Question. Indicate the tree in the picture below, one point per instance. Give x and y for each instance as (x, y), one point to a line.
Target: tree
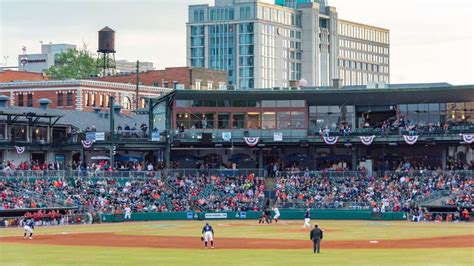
(73, 64)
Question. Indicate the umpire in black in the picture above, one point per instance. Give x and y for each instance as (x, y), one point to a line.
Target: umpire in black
(316, 236)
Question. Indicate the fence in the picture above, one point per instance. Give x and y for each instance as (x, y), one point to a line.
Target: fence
(469, 174)
(81, 218)
(171, 172)
(252, 215)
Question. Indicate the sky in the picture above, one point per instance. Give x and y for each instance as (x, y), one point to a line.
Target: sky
(430, 40)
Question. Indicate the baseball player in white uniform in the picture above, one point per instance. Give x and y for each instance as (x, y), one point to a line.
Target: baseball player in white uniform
(277, 213)
(208, 235)
(307, 218)
(128, 213)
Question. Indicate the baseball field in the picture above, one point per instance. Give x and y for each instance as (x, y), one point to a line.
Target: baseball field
(242, 243)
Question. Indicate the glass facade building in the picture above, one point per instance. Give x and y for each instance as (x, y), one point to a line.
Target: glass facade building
(265, 44)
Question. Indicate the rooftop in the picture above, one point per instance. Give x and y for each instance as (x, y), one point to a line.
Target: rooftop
(78, 119)
(351, 95)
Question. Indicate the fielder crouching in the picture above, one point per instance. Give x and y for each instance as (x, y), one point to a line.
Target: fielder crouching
(29, 226)
(208, 235)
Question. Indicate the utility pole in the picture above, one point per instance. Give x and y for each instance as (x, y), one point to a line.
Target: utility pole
(136, 92)
(112, 131)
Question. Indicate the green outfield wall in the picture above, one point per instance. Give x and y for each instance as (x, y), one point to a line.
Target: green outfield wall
(251, 215)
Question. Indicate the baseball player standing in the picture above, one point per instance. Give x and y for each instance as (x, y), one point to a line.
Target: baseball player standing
(29, 227)
(307, 218)
(208, 235)
(128, 213)
(277, 213)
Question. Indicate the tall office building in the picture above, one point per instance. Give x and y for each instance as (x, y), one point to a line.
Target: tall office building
(264, 43)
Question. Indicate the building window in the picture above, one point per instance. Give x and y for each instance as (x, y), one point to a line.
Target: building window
(20, 100)
(86, 99)
(60, 99)
(69, 99)
(92, 99)
(198, 85)
(30, 100)
(126, 103)
(223, 120)
(238, 120)
(268, 120)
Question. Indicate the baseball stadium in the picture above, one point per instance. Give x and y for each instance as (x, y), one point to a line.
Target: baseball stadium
(369, 176)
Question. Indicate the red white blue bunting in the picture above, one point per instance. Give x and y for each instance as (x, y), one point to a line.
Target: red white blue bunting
(87, 143)
(468, 138)
(410, 140)
(330, 140)
(251, 141)
(20, 150)
(367, 140)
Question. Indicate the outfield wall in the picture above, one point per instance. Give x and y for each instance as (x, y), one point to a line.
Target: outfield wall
(252, 215)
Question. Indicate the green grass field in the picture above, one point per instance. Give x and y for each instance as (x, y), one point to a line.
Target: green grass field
(36, 254)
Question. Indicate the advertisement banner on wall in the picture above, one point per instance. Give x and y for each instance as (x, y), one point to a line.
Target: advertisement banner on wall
(243, 215)
(190, 215)
(90, 136)
(226, 136)
(99, 136)
(278, 136)
(215, 215)
(155, 136)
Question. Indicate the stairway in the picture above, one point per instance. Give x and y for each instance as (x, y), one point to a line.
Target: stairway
(270, 189)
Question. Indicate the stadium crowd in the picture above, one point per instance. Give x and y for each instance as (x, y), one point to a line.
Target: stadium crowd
(221, 193)
(393, 192)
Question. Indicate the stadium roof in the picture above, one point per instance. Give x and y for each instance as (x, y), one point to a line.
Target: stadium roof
(394, 94)
(75, 118)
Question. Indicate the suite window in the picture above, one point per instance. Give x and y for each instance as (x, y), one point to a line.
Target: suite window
(223, 120)
(238, 120)
(182, 119)
(268, 120)
(253, 120)
(283, 120)
(297, 120)
(19, 132)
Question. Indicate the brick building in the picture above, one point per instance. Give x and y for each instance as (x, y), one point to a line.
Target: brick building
(83, 95)
(176, 77)
(12, 75)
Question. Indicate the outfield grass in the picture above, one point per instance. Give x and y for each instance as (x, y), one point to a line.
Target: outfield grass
(59, 255)
(20, 254)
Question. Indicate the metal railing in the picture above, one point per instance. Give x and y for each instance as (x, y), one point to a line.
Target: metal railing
(350, 205)
(329, 174)
(469, 174)
(257, 172)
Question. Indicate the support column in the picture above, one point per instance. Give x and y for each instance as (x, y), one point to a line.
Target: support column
(49, 135)
(260, 158)
(444, 156)
(169, 134)
(354, 157)
(28, 132)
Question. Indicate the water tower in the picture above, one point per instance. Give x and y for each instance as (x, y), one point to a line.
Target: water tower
(106, 57)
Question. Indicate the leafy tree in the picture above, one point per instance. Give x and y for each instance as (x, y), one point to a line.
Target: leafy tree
(73, 64)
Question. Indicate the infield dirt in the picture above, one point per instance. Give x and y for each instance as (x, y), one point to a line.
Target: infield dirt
(118, 240)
